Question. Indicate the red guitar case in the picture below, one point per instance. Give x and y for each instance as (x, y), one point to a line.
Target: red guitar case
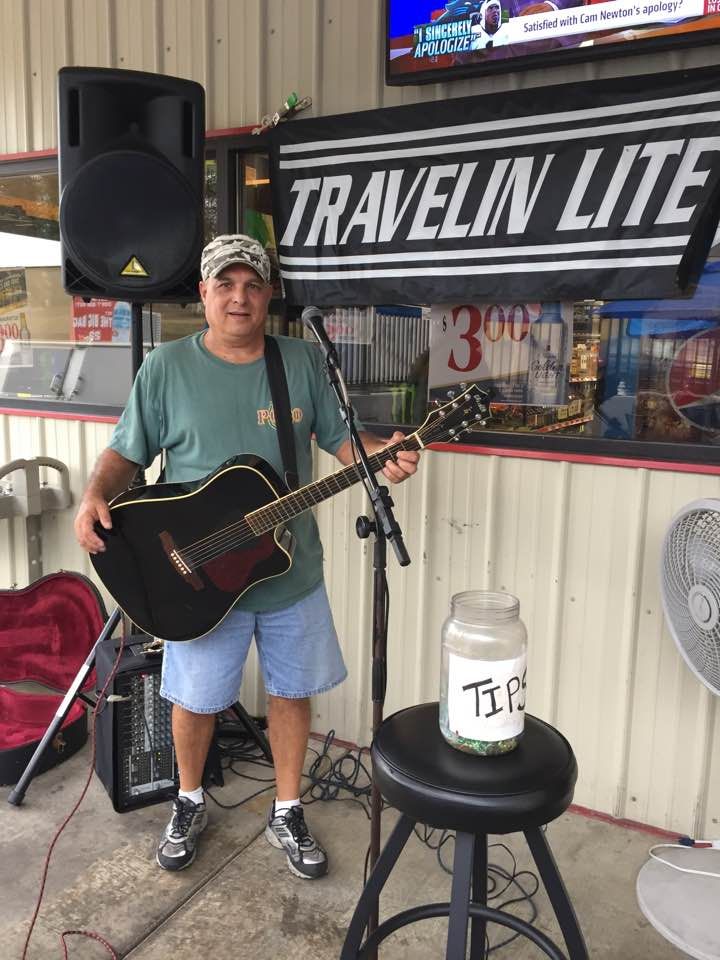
(46, 633)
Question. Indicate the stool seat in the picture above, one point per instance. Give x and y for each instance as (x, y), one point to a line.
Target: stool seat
(422, 775)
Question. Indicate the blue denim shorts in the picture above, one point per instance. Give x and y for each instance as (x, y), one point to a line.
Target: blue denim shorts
(297, 647)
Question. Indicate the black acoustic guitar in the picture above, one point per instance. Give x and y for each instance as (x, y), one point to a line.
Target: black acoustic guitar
(179, 555)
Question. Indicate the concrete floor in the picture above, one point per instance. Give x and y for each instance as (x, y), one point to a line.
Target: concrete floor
(239, 900)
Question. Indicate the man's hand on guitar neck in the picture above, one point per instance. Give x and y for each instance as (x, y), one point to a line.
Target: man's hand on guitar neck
(112, 475)
(397, 468)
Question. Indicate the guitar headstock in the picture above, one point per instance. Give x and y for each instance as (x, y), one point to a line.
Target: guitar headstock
(463, 412)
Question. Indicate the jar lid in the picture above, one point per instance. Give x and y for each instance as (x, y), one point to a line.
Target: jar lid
(484, 606)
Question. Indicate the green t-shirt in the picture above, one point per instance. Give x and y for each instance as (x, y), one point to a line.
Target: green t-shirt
(202, 410)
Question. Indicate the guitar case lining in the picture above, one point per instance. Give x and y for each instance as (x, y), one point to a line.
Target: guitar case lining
(46, 631)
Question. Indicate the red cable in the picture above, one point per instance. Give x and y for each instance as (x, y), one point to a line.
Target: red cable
(84, 933)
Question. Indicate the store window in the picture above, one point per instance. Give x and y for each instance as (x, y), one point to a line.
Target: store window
(250, 212)
(58, 351)
(632, 370)
(638, 378)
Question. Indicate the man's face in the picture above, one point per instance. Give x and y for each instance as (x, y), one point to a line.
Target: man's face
(236, 304)
(492, 18)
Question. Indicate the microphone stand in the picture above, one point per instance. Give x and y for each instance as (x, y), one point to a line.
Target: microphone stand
(384, 527)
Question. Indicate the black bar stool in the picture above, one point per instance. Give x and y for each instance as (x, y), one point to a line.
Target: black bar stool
(430, 782)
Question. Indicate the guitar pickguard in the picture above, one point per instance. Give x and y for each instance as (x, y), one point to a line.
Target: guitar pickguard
(232, 571)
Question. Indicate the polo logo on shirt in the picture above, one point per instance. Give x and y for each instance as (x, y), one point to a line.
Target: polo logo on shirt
(267, 416)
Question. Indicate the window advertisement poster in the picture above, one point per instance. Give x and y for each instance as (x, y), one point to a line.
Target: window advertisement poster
(14, 313)
(520, 351)
(100, 321)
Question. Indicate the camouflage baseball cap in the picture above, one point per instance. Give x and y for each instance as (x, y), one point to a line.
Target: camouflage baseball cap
(233, 248)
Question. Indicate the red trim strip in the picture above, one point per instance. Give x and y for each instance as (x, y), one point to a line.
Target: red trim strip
(606, 461)
(57, 415)
(230, 132)
(626, 824)
(29, 155)
(209, 135)
(712, 469)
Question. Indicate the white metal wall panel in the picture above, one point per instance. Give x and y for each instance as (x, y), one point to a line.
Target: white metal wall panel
(671, 719)
(135, 33)
(236, 89)
(292, 60)
(14, 76)
(578, 544)
(48, 36)
(249, 55)
(90, 33)
(184, 39)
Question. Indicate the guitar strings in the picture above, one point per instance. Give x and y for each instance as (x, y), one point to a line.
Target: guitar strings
(230, 537)
(226, 538)
(236, 534)
(297, 495)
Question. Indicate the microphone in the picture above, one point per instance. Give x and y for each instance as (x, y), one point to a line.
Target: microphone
(312, 318)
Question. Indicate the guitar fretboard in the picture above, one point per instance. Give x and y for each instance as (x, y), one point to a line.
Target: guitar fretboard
(289, 506)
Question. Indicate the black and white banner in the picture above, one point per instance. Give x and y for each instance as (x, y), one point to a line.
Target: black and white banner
(604, 190)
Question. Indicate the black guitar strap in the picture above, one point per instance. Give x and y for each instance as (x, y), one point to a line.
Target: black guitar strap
(281, 406)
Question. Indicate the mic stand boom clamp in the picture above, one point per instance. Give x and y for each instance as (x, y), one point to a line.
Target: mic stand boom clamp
(385, 527)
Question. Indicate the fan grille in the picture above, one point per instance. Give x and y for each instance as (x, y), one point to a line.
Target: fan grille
(691, 588)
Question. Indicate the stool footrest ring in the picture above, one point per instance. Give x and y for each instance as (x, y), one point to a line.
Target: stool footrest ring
(429, 911)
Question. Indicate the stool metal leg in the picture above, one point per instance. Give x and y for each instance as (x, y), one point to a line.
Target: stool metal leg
(376, 881)
(542, 854)
(460, 896)
(428, 910)
(479, 895)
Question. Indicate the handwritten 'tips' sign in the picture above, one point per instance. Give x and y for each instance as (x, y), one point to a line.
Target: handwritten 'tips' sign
(486, 698)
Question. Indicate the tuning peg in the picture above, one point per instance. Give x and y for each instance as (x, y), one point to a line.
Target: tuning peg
(452, 432)
(451, 394)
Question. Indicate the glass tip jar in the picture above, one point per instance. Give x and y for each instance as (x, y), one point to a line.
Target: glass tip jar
(483, 673)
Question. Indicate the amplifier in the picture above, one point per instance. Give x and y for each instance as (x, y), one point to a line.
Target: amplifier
(134, 754)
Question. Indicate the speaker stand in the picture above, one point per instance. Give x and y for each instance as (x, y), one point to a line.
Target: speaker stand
(252, 729)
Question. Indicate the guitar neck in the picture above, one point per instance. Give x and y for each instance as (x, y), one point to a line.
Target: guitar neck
(289, 506)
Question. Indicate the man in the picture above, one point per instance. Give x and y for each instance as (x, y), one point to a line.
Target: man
(203, 399)
(487, 28)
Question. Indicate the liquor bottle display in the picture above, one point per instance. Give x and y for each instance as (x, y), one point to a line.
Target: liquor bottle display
(547, 374)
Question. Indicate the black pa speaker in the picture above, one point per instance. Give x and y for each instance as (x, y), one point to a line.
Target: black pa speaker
(131, 157)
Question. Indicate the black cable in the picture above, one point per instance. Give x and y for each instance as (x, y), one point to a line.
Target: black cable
(329, 777)
(233, 806)
(235, 745)
(350, 774)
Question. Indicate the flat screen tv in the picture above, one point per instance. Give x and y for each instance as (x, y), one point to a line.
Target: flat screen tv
(432, 40)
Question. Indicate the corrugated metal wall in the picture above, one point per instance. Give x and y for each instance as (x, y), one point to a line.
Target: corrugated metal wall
(579, 544)
(248, 54)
